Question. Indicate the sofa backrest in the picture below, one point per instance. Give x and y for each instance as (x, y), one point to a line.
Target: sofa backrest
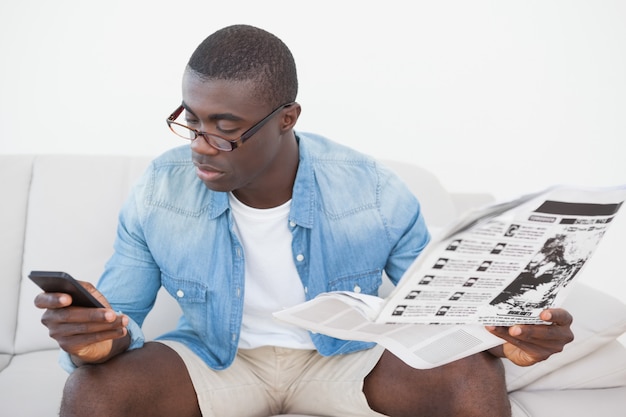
(15, 176)
(59, 212)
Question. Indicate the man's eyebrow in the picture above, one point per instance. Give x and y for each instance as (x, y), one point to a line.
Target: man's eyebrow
(216, 116)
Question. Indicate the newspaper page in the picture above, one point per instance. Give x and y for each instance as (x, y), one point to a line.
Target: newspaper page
(349, 316)
(506, 268)
(500, 265)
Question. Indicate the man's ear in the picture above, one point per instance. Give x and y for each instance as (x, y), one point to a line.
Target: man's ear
(290, 116)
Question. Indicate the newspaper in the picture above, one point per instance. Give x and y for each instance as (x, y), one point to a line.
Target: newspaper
(499, 265)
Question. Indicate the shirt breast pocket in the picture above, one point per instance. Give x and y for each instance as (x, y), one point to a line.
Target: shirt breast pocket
(192, 297)
(185, 291)
(365, 282)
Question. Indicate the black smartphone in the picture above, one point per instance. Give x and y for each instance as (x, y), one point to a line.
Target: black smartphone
(57, 281)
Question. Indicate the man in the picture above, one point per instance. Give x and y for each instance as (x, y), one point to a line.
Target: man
(256, 218)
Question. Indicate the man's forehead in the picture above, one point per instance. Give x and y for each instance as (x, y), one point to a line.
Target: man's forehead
(222, 96)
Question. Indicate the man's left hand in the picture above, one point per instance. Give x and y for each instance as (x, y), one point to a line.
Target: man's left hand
(531, 343)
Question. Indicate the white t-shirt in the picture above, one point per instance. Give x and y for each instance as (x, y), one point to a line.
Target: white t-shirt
(271, 279)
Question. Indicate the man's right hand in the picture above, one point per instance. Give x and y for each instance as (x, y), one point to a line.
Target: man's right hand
(89, 335)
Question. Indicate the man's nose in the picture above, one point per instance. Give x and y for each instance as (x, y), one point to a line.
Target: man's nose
(201, 145)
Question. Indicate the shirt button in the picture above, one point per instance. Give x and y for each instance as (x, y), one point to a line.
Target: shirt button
(306, 290)
(180, 293)
(292, 223)
(300, 257)
(357, 288)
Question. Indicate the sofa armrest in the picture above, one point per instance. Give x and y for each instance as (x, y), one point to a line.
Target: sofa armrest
(599, 319)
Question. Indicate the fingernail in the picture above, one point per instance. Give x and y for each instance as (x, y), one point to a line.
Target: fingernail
(515, 331)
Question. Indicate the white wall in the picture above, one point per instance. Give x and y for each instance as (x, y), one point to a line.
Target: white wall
(505, 96)
(498, 95)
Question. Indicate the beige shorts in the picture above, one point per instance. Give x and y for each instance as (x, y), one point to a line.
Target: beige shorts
(272, 380)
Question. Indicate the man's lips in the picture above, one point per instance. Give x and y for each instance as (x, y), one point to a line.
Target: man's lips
(207, 172)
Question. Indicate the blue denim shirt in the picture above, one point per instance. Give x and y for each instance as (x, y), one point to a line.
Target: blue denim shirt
(350, 219)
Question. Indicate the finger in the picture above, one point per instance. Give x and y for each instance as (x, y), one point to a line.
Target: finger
(558, 331)
(93, 291)
(510, 334)
(85, 330)
(52, 300)
(557, 316)
(73, 342)
(541, 331)
(80, 315)
(536, 334)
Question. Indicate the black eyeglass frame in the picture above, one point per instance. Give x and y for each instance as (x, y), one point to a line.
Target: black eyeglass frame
(210, 138)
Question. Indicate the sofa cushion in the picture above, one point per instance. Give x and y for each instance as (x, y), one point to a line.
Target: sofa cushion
(607, 402)
(31, 385)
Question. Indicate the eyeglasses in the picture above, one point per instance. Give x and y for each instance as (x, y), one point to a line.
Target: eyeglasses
(216, 141)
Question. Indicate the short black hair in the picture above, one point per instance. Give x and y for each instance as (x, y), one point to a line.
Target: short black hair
(247, 53)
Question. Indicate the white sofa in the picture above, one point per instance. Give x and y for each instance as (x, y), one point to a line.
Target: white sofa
(60, 213)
